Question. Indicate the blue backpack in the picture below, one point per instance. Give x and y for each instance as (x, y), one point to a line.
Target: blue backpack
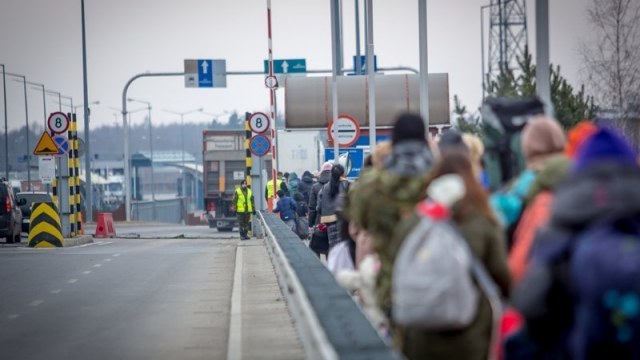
(605, 274)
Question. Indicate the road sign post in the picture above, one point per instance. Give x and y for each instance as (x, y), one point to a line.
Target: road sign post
(287, 66)
(259, 123)
(58, 123)
(345, 131)
(205, 73)
(260, 145)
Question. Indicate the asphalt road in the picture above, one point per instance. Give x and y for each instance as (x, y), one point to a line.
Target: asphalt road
(118, 299)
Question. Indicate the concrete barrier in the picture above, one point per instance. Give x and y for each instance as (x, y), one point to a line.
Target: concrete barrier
(329, 322)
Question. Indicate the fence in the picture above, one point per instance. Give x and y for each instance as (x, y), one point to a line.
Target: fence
(167, 211)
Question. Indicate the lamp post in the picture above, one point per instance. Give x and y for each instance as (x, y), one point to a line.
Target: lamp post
(484, 85)
(182, 114)
(87, 142)
(26, 117)
(6, 125)
(153, 183)
(44, 101)
(51, 92)
(97, 102)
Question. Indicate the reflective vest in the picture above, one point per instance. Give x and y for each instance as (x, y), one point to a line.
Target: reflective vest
(244, 203)
(270, 192)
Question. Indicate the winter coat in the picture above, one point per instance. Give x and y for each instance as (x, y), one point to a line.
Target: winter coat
(326, 204)
(292, 184)
(486, 241)
(543, 296)
(305, 185)
(324, 178)
(287, 208)
(536, 214)
(382, 198)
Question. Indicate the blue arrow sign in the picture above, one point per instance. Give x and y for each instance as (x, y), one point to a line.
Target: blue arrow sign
(287, 66)
(363, 64)
(205, 73)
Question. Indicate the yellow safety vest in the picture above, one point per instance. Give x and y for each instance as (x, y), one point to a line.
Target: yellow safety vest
(270, 192)
(244, 203)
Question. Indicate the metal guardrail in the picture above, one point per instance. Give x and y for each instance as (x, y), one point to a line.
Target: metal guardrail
(330, 324)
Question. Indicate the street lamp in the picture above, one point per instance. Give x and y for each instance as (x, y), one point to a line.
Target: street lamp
(182, 114)
(484, 85)
(26, 117)
(51, 92)
(97, 102)
(44, 101)
(153, 183)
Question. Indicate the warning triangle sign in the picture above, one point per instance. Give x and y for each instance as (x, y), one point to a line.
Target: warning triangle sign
(46, 146)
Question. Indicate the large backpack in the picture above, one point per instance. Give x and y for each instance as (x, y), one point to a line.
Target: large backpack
(503, 121)
(605, 273)
(433, 279)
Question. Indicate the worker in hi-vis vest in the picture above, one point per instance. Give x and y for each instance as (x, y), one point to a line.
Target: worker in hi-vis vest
(270, 193)
(244, 206)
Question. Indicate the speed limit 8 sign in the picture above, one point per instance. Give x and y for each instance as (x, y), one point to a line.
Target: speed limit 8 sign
(259, 122)
(58, 123)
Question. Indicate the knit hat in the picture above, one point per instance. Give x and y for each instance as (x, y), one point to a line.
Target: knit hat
(605, 146)
(327, 166)
(577, 136)
(408, 127)
(542, 136)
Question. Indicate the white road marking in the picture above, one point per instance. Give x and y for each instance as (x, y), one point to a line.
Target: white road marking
(116, 255)
(36, 302)
(87, 272)
(234, 345)
(13, 316)
(56, 291)
(102, 243)
(72, 281)
(97, 265)
(107, 259)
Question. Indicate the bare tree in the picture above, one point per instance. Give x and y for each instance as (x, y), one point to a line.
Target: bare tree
(612, 57)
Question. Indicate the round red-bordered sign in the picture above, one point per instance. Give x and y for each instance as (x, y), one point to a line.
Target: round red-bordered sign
(259, 122)
(348, 130)
(58, 122)
(260, 145)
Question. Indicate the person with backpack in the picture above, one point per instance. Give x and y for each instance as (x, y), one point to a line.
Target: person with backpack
(482, 234)
(581, 295)
(383, 197)
(328, 201)
(305, 185)
(302, 224)
(287, 209)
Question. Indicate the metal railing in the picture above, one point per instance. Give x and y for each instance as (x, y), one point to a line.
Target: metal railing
(166, 211)
(330, 324)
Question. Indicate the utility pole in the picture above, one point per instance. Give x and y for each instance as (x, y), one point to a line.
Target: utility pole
(424, 63)
(6, 125)
(87, 136)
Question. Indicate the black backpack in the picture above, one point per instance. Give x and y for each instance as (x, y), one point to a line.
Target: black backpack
(503, 120)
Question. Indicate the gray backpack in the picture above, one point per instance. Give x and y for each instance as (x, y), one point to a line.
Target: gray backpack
(433, 279)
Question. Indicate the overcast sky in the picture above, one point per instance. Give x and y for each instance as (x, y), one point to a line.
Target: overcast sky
(42, 40)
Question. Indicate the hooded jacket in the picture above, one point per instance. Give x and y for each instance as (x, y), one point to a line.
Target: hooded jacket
(324, 178)
(305, 185)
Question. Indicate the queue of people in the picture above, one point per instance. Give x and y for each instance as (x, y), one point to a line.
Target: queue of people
(545, 266)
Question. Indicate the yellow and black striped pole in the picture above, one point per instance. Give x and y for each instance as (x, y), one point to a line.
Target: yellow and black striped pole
(72, 178)
(76, 175)
(247, 130)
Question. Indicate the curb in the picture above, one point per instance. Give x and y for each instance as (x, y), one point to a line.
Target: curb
(78, 240)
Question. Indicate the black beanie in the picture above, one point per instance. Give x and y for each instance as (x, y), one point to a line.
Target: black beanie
(407, 127)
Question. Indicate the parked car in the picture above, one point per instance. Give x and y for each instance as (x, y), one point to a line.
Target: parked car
(26, 201)
(10, 214)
